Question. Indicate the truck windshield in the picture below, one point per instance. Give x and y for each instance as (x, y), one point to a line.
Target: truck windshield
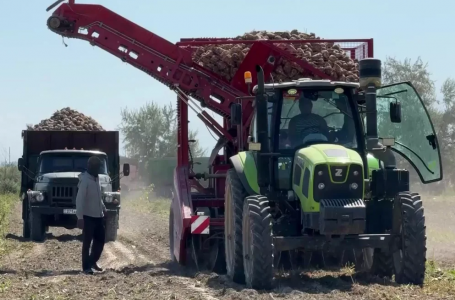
(68, 163)
(316, 115)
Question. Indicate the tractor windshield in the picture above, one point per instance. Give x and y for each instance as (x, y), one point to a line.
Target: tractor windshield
(316, 115)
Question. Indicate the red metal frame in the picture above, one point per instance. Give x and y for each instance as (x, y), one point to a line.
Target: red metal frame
(172, 65)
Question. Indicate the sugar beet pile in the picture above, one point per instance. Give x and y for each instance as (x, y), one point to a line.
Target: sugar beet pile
(67, 119)
(225, 59)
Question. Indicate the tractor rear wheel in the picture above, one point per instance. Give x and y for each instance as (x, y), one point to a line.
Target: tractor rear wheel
(258, 249)
(409, 261)
(234, 197)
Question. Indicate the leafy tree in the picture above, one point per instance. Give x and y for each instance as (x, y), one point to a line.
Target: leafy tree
(151, 132)
(150, 135)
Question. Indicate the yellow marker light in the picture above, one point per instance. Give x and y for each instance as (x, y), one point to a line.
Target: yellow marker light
(247, 77)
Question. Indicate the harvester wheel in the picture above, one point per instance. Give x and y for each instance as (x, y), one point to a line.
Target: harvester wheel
(234, 197)
(258, 250)
(171, 234)
(409, 261)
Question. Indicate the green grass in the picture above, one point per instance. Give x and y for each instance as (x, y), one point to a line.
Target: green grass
(146, 202)
(6, 204)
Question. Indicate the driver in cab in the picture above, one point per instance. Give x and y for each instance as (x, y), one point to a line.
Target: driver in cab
(307, 126)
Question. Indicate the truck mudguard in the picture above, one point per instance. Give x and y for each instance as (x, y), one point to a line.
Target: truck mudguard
(245, 165)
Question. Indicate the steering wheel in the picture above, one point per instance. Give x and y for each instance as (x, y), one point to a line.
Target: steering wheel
(317, 131)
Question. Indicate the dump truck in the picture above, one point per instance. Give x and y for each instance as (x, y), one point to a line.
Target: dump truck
(278, 188)
(50, 166)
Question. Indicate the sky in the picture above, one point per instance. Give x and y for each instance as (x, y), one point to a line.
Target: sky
(39, 75)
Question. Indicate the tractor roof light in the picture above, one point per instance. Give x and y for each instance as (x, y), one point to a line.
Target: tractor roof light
(247, 76)
(370, 73)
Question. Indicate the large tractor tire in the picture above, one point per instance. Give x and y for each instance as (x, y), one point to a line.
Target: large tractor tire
(234, 197)
(112, 221)
(410, 261)
(258, 249)
(382, 263)
(37, 227)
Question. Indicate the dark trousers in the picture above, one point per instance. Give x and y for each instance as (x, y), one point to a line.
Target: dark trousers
(93, 231)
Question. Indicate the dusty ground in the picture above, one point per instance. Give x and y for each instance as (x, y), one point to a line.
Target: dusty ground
(138, 266)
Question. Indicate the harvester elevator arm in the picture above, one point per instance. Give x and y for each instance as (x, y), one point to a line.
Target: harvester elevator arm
(161, 59)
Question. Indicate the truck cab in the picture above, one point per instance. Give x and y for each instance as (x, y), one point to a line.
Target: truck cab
(50, 184)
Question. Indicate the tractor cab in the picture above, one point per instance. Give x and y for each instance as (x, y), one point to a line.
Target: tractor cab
(313, 114)
(331, 122)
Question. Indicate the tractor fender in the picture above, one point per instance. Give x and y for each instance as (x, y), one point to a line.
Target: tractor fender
(244, 164)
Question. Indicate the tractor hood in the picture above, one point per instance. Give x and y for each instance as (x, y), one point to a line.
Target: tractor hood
(327, 154)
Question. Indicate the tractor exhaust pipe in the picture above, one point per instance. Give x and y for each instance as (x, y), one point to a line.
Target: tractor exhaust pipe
(262, 126)
(370, 80)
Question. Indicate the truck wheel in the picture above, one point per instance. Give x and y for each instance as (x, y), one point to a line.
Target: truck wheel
(234, 197)
(37, 228)
(409, 261)
(111, 227)
(258, 246)
(26, 226)
(26, 229)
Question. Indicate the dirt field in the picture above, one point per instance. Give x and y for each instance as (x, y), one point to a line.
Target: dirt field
(138, 266)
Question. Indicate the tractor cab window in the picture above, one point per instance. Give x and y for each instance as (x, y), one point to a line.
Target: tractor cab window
(316, 115)
(415, 137)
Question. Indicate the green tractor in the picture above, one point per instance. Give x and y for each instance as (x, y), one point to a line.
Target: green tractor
(320, 175)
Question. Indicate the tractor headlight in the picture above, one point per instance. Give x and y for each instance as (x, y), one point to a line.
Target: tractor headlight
(354, 186)
(321, 186)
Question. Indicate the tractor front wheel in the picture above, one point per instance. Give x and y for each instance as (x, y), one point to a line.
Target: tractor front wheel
(258, 249)
(234, 197)
(409, 261)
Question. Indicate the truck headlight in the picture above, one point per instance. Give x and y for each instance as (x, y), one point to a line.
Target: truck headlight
(35, 196)
(40, 197)
(112, 197)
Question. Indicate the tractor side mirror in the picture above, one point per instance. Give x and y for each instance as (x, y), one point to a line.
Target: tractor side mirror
(395, 112)
(236, 114)
(20, 164)
(126, 169)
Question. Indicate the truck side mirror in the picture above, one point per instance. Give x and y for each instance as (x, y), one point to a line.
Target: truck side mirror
(395, 112)
(20, 164)
(126, 169)
(236, 114)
